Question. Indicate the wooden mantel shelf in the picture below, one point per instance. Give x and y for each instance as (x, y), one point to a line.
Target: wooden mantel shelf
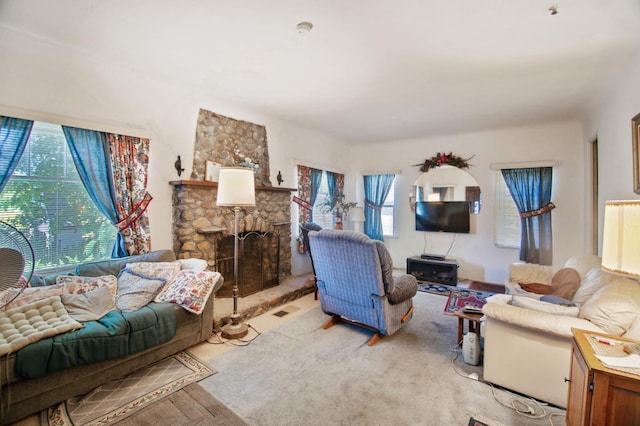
(215, 184)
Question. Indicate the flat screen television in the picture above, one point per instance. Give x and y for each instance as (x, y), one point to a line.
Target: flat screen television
(443, 216)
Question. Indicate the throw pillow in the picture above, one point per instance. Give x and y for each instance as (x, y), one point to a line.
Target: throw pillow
(550, 308)
(163, 270)
(89, 306)
(190, 289)
(193, 264)
(634, 329)
(29, 295)
(80, 285)
(34, 321)
(594, 280)
(565, 282)
(135, 290)
(614, 307)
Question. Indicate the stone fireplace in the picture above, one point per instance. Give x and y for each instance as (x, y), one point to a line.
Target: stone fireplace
(203, 230)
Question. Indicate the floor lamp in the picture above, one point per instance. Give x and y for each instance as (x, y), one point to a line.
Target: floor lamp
(236, 188)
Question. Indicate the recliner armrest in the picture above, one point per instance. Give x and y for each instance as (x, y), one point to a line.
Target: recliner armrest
(404, 287)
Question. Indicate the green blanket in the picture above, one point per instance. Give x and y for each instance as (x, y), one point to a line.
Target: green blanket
(115, 335)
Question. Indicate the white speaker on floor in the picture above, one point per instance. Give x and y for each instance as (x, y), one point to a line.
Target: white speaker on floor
(471, 349)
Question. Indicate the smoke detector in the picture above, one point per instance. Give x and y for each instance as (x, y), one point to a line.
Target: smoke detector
(304, 27)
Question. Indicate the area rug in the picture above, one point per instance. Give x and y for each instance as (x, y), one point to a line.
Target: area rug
(461, 298)
(120, 398)
(440, 289)
(301, 374)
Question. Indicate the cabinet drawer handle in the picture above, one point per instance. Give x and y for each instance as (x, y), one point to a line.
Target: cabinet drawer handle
(567, 380)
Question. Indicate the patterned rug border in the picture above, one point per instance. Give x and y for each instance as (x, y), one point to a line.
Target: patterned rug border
(58, 415)
(440, 289)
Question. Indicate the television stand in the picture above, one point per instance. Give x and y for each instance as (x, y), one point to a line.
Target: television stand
(432, 256)
(432, 270)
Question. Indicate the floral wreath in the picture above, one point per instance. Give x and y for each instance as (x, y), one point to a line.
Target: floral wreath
(441, 159)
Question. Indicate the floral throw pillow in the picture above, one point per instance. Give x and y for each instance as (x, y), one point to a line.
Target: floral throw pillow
(135, 290)
(190, 289)
(81, 285)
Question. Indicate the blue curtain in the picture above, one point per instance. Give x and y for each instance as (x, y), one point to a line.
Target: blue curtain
(376, 189)
(531, 191)
(90, 152)
(316, 178)
(333, 190)
(14, 134)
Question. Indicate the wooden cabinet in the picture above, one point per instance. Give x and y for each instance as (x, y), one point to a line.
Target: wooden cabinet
(599, 395)
(432, 270)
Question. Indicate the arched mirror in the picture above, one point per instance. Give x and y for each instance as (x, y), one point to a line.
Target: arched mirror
(448, 183)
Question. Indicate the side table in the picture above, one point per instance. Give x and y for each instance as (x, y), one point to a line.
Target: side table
(473, 321)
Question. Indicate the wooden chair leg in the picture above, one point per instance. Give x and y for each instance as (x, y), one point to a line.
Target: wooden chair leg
(375, 339)
(334, 320)
(407, 316)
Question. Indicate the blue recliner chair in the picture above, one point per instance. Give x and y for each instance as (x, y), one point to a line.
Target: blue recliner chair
(356, 284)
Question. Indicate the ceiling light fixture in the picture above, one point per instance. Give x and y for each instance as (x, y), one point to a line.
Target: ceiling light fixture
(304, 27)
(554, 9)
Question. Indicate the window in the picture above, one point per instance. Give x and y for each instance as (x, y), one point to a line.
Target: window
(506, 231)
(387, 213)
(321, 213)
(46, 200)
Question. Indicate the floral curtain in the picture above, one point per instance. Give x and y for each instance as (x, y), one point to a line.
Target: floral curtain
(308, 185)
(14, 134)
(531, 191)
(130, 163)
(113, 170)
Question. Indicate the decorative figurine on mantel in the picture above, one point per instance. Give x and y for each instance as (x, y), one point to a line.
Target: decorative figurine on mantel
(279, 178)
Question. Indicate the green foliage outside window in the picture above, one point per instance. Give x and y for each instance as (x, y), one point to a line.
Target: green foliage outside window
(46, 200)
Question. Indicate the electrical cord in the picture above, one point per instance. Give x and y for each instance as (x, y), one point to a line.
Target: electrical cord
(519, 406)
(217, 339)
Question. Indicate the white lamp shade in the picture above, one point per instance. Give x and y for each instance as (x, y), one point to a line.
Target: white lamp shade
(356, 214)
(621, 237)
(236, 187)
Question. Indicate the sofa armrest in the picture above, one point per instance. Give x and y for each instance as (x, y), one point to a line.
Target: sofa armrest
(535, 320)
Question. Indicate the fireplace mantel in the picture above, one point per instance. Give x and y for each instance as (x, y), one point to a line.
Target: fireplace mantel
(215, 185)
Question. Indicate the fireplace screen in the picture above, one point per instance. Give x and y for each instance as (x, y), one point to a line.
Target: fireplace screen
(258, 263)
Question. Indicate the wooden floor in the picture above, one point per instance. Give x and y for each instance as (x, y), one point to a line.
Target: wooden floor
(191, 406)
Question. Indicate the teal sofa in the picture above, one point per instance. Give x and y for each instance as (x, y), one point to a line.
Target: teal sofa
(21, 397)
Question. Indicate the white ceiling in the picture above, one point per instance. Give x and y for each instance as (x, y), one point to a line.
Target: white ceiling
(369, 70)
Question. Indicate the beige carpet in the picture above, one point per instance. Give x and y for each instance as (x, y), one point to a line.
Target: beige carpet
(120, 398)
(299, 373)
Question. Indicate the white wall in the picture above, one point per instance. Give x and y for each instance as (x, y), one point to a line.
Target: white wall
(476, 253)
(611, 123)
